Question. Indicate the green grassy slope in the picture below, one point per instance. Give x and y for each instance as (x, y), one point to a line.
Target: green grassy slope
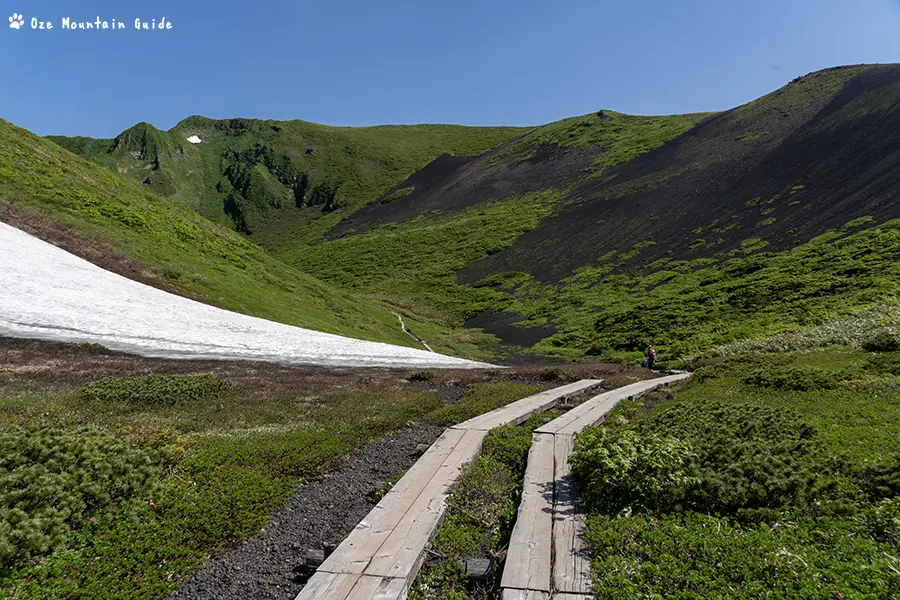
(619, 137)
(412, 264)
(47, 190)
(678, 247)
(595, 234)
(777, 215)
(769, 475)
(276, 180)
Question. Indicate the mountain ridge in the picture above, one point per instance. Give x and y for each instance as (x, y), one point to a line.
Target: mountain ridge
(555, 228)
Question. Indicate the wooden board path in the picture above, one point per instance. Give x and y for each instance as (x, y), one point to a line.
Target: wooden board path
(547, 558)
(530, 547)
(519, 411)
(382, 555)
(593, 411)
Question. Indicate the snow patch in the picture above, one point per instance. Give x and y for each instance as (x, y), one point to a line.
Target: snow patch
(194, 139)
(47, 293)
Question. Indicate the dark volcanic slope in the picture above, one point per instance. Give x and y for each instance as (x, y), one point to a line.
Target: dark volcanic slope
(452, 183)
(812, 156)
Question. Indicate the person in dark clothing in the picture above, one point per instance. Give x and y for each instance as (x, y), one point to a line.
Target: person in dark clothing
(651, 356)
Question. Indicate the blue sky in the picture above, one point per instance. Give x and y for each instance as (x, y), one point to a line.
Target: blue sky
(475, 62)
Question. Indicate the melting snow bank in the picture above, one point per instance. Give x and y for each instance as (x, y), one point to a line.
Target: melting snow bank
(47, 293)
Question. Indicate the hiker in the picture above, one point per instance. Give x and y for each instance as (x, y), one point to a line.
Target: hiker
(651, 356)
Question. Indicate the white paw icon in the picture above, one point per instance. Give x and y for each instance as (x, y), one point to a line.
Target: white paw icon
(16, 21)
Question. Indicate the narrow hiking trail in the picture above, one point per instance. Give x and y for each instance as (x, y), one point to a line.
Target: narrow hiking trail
(380, 558)
(48, 293)
(409, 332)
(382, 555)
(547, 557)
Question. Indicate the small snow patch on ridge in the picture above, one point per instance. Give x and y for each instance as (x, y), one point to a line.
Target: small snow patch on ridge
(194, 139)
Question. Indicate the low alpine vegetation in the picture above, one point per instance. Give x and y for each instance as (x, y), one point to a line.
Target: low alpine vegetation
(150, 391)
(783, 482)
(53, 481)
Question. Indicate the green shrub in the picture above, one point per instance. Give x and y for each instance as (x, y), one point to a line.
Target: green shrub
(151, 391)
(508, 445)
(618, 470)
(694, 556)
(882, 521)
(707, 372)
(747, 455)
(791, 378)
(883, 341)
(54, 481)
(482, 502)
(421, 376)
(888, 363)
(551, 374)
(880, 479)
(397, 194)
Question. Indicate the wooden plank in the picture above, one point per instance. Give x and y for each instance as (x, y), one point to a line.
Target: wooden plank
(355, 552)
(392, 589)
(528, 559)
(377, 588)
(597, 403)
(571, 563)
(520, 410)
(363, 590)
(594, 410)
(334, 586)
(403, 550)
(565, 495)
(512, 594)
(350, 586)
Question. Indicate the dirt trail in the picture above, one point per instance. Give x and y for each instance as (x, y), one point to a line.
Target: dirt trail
(317, 512)
(410, 333)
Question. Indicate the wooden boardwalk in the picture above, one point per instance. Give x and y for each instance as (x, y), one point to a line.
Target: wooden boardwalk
(520, 410)
(381, 556)
(547, 559)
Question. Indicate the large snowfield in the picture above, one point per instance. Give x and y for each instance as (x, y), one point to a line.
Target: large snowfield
(48, 293)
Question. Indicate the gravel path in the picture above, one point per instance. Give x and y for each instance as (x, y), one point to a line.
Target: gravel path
(316, 513)
(48, 293)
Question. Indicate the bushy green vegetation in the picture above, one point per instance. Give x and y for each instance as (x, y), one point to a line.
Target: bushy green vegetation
(397, 194)
(683, 307)
(882, 341)
(129, 505)
(482, 398)
(481, 511)
(622, 137)
(159, 391)
(622, 470)
(173, 244)
(750, 486)
(865, 328)
(53, 481)
(699, 556)
(791, 378)
(413, 265)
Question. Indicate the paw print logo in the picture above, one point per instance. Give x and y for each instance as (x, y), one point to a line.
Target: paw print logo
(16, 21)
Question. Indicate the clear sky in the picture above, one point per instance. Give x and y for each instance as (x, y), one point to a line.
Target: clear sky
(475, 62)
